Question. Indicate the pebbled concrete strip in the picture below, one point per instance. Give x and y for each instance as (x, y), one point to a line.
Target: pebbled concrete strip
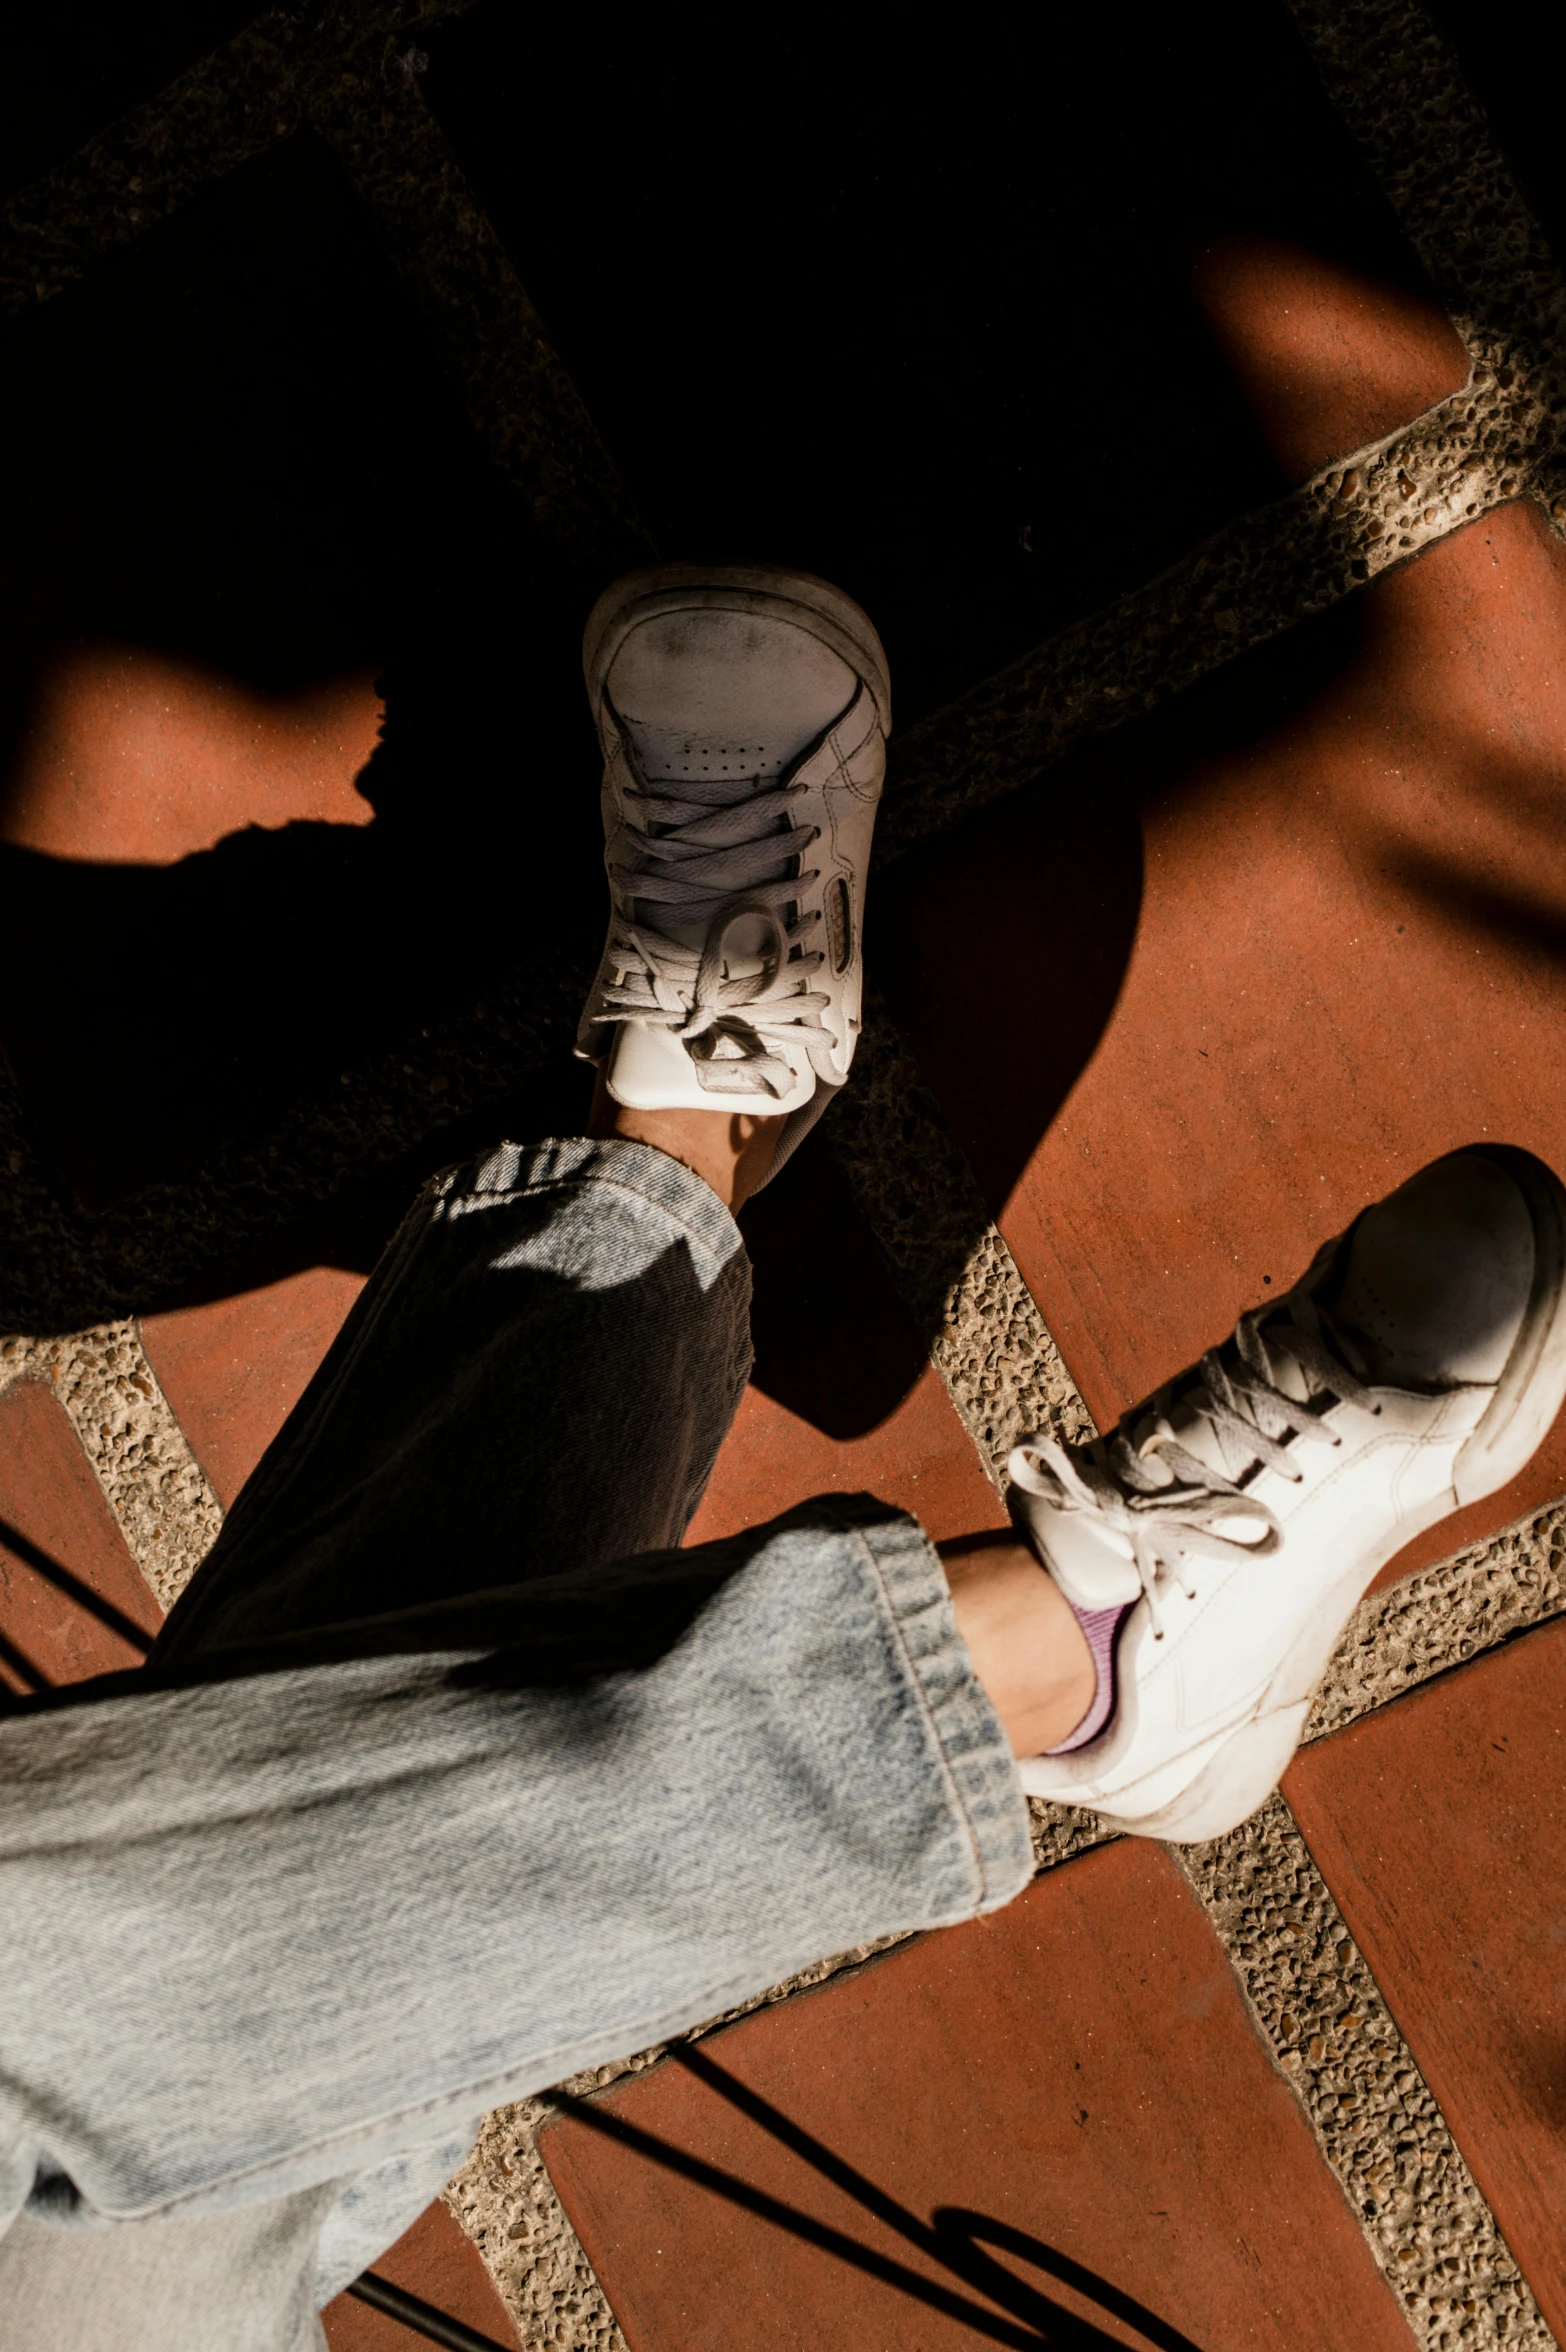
(1494, 440)
(505, 2200)
(1444, 1616)
(952, 1269)
(1428, 141)
(1321, 2015)
(166, 1511)
(156, 1488)
(249, 92)
(352, 73)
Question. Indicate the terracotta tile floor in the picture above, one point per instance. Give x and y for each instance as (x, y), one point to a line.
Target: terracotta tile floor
(843, 1398)
(1313, 918)
(1440, 1826)
(233, 1368)
(434, 2260)
(283, 666)
(1064, 2106)
(72, 1602)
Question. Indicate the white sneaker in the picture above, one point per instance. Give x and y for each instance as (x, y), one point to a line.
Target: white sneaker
(1244, 1510)
(743, 711)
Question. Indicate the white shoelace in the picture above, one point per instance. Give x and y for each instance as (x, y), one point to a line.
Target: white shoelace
(705, 856)
(1160, 1499)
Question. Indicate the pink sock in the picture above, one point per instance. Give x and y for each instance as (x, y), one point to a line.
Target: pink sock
(1101, 1627)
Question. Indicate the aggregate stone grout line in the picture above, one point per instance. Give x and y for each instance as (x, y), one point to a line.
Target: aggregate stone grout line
(1313, 1998)
(954, 1272)
(1439, 1619)
(1075, 687)
(227, 108)
(523, 406)
(1258, 576)
(154, 1486)
(1427, 139)
(157, 1490)
(1320, 2011)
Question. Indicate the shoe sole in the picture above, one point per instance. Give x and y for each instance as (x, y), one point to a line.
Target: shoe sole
(1528, 1397)
(813, 605)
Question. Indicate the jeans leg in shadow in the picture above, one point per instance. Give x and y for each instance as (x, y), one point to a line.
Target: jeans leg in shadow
(534, 1383)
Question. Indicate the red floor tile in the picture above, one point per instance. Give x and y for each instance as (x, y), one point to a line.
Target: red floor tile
(234, 1368)
(235, 1349)
(72, 1601)
(1440, 1826)
(437, 2261)
(843, 1399)
(1266, 955)
(1074, 2083)
(1328, 357)
(132, 757)
(920, 1457)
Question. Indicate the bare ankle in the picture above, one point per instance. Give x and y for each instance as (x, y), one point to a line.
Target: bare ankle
(730, 1150)
(1027, 1647)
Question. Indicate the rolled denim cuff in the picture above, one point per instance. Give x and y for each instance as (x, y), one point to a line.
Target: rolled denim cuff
(966, 1735)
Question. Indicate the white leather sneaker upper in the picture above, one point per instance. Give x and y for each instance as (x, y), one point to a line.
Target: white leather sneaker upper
(743, 713)
(1245, 1509)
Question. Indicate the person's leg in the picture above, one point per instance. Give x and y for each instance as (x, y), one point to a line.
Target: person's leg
(537, 1377)
(534, 1802)
(534, 1384)
(394, 1891)
(526, 1383)
(540, 1372)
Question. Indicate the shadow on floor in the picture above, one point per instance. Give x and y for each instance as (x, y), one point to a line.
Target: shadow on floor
(954, 2241)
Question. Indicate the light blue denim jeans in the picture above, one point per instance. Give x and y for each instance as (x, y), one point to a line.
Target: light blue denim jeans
(451, 1774)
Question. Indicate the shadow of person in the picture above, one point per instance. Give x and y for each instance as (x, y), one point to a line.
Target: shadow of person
(1003, 951)
(152, 1011)
(249, 490)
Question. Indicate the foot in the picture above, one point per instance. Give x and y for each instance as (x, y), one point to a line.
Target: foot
(1239, 1516)
(729, 1150)
(743, 712)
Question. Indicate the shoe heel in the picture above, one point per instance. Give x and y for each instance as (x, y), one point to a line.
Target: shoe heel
(1231, 1787)
(1532, 1389)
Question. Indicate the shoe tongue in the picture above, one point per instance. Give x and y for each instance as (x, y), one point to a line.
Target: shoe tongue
(1195, 1431)
(673, 765)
